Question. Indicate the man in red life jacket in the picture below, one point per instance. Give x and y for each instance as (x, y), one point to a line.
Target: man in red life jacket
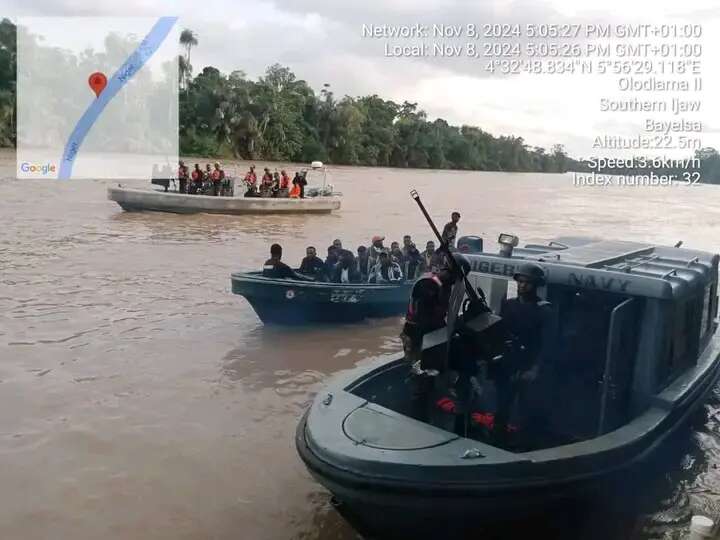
(217, 176)
(182, 176)
(251, 182)
(284, 180)
(266, 183)
(197, 178)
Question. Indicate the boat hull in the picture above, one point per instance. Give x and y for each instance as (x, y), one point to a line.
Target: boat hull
(393, 492)
(292, 302)
(393, 510)
(178, 203)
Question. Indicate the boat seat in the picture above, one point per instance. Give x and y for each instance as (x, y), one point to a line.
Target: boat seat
(377, 427)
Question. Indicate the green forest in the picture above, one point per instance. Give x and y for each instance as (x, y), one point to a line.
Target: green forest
(280, 117)
(7, 83)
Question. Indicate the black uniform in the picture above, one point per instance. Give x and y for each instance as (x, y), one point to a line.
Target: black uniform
(364, 266)
(530, 324)
(328, 270)
(449, 233)
(312, 266)
(275, 268)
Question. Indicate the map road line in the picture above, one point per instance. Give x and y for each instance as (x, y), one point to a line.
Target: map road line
(132, 65)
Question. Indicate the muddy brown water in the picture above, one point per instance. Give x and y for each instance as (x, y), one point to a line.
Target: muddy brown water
(140, 399)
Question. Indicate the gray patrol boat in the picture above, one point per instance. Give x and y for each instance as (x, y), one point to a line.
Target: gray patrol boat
(635, 351)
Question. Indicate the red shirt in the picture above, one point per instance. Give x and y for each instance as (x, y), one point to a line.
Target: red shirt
(284, 181)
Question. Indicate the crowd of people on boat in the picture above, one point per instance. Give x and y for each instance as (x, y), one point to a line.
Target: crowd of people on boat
(376, 263)
(211, 181)
(275, 184)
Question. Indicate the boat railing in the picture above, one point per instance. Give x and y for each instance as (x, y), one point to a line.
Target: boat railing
(554, 243)
(626, 266)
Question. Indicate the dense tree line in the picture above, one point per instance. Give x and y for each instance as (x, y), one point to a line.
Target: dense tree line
(280, 117)
(8, 54)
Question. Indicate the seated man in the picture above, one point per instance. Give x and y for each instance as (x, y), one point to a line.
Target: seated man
(275, 268)
(363, 260)
(413, 261)
(385, 271)
(340, 251)
(376, 246)
(396, 254)
(331, 261)
(432, 260)
(311, 265)
(346, 270)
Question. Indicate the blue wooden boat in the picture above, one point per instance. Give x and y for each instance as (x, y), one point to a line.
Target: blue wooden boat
(289, 301)
(635, 352)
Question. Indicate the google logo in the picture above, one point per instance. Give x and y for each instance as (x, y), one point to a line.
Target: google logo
(48, 168)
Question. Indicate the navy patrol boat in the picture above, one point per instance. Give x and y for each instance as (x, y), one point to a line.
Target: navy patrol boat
(635, 351)
(291, 301)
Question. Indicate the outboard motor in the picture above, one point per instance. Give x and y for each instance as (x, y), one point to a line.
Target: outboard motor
(470, 244)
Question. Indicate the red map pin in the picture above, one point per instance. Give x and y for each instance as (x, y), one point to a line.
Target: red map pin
(97, 82)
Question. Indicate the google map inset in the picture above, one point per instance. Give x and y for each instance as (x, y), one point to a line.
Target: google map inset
(97, 97)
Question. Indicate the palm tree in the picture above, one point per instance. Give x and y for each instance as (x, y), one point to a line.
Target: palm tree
(182, 69)
(188, 39)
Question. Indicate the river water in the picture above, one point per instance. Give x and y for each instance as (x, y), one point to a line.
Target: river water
(140, 399)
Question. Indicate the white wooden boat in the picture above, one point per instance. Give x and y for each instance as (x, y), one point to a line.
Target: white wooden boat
(133, 199)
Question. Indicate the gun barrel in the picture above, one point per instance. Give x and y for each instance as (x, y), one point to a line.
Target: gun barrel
(416, 196)
(472, 293)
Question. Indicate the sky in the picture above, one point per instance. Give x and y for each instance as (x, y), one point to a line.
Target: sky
(322, 42)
